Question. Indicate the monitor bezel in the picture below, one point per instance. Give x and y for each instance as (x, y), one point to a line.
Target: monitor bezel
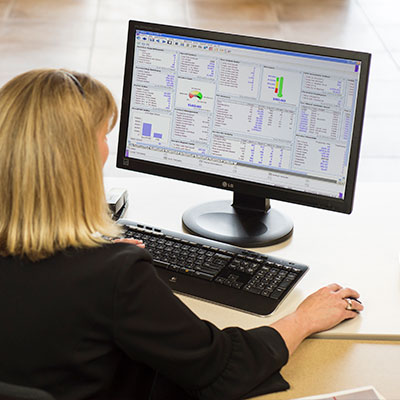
(261, 190)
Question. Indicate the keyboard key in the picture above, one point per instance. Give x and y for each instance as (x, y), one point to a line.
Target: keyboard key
(278, 292)
(203, 275)
(287, 282)
(253, 290)
(266, 293)
(163, 264)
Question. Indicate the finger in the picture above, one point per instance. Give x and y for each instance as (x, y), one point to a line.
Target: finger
(334, 287)
(130, 241)
(350, 314)
(353, 305)
(347, 292)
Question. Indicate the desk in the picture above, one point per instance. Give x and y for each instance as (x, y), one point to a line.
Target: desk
(359, 250)
(325, 366)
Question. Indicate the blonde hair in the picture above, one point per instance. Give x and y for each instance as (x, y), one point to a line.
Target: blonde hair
(51, 191)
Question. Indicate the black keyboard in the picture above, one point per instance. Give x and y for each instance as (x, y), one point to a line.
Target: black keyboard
(218, 272)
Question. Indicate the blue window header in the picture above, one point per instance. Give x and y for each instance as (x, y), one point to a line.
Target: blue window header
(247, 47)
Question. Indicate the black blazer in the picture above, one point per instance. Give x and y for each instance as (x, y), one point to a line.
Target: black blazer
(99, 324)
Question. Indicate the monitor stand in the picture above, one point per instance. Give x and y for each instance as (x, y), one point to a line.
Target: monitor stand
(248, 222)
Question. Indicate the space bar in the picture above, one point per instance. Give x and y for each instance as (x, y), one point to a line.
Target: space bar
(186, 271)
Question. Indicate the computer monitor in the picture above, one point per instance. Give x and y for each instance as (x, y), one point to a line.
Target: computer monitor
(265, 119)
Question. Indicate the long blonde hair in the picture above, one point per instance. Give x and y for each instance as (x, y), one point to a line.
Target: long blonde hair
(51, 184)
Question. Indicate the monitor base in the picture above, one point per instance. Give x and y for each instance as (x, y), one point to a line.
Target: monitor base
(222, 221)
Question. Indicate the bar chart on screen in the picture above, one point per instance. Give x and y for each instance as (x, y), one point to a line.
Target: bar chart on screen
(150, 127)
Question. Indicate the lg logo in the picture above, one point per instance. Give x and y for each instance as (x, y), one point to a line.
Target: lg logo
(227, 185)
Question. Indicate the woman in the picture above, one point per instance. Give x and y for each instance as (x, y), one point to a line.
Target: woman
(85, 318)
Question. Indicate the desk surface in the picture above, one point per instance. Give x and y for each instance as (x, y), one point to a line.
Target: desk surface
(325, 366)
(360, 250)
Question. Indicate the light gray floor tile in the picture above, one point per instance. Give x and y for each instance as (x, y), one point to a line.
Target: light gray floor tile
(383, 97)
(389, 34)
(351, 37)
(232, 11)
(108, 61)
(379, 170)
(340, 12)
(396, 57)
(20, 57)
(62, 33)
(382, 12)
(248, 28)
(383, 66)
(161, 11)
(381, 137)
(109, 34)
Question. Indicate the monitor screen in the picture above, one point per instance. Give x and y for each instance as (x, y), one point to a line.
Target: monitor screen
(263, 118)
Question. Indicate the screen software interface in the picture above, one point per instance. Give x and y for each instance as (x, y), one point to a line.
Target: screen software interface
(262, 115)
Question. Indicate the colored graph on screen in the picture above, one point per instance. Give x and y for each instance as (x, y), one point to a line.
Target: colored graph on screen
(147, 131)
(279, 86)
(195, 93)
(150, 127)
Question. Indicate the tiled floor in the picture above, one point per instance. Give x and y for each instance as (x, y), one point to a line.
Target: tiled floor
(89, 35)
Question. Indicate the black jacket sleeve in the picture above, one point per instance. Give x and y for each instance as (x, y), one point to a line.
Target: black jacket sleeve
(152, 326)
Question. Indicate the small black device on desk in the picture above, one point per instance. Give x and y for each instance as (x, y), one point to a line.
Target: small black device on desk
(117, 199)
(218, 272)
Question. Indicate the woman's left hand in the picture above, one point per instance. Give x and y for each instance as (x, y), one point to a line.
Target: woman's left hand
(136, 242)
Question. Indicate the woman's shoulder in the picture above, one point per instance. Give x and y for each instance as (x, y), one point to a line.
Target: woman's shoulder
(103, 252)
(106, 263)
(114, 253)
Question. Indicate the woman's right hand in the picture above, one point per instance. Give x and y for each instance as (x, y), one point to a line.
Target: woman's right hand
(320, 311)
(328, 307)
